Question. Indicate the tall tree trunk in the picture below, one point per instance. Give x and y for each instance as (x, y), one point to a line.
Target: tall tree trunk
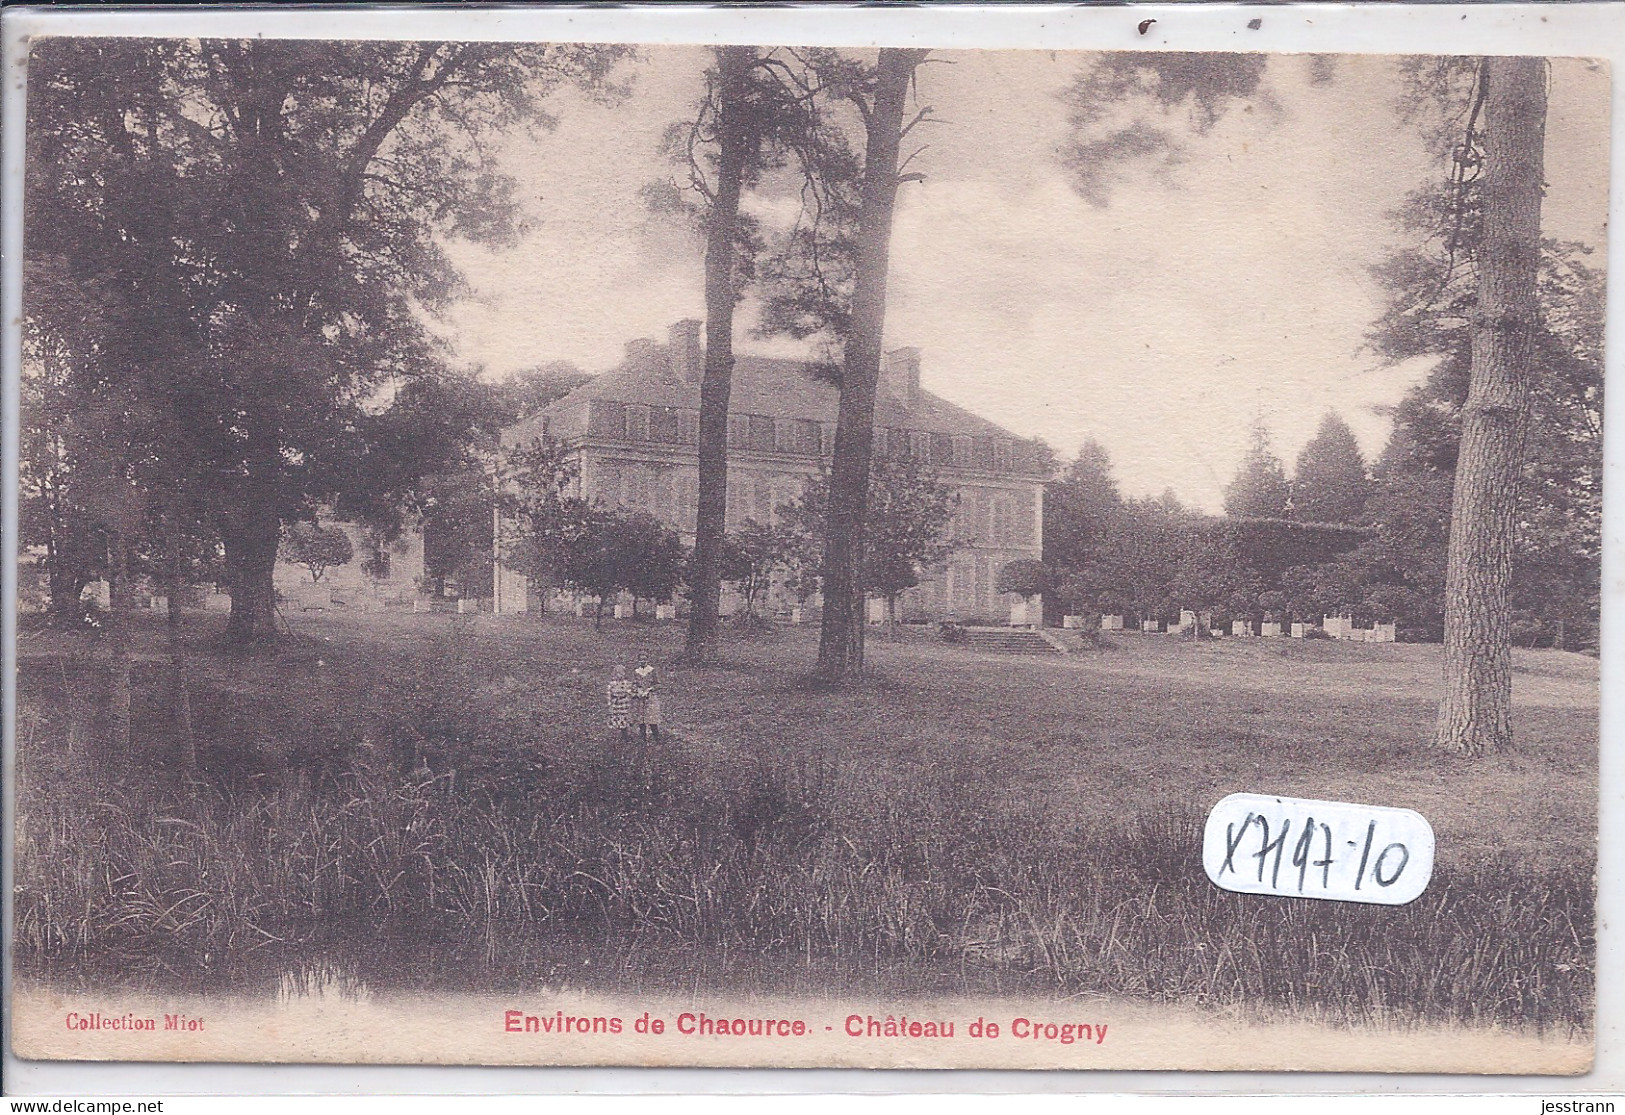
(66, 584)
(180, 692)
(65, 574)
(120, 603)
(840, 636)
(1475, 714)
(737, 145)
(251, 566)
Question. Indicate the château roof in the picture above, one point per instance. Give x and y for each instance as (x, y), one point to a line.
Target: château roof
(773, 388)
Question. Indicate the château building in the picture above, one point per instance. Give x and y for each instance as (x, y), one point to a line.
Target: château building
(635, 430)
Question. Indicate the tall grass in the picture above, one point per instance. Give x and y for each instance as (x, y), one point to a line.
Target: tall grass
(427, 830)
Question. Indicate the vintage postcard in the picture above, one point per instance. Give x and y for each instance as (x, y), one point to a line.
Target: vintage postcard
(552, 552)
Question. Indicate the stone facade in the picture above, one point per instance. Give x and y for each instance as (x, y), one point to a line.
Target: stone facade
(635, 430)
(375, 578)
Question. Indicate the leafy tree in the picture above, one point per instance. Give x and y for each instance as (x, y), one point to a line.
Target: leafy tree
(1404, 563)
(109, 470)
(526, 392)
(436, 427)
(750, 557)
(1134, 108)
(307, 189)
(1138, 560)
(593, 562)
(56, 483)
(907, 530)
(1330, 484)
(432, 457)
(909, 518)
(543, 520)
(1209, 574)
(652, 558)
(1558, 519)
(316, 547)
(1260, 489)
(1025, 577)
(1535, 354)
(456, 515)
(1078, 510)
(801, 533)
(107, 463)
(616, 550)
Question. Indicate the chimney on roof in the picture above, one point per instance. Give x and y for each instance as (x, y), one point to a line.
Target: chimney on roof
(637, 352)
(687, 358)
(900, 374)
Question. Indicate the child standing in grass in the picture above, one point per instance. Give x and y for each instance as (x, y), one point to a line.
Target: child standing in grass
(646, 702)
(619, 695)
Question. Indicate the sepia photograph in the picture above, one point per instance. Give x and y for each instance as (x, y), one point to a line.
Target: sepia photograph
(719, 555)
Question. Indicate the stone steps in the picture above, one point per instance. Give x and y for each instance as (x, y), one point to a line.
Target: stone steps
(1010, 640)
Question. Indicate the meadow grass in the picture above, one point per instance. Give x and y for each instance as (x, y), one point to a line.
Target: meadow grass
(434, 802)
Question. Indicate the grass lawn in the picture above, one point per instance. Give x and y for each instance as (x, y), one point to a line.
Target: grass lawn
(445, 786)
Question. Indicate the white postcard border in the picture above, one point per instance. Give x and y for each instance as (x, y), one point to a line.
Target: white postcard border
(1579, 29)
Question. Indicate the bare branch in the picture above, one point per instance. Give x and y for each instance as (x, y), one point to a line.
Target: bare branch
(919, 118)
(911, 157)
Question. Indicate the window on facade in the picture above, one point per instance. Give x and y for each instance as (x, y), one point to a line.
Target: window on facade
(606, 419)
(637, 423)
(762, 433)
(919, 446)
(378, 564)
(784, 435)
(1022, 531)
(663, 425)
(963, 455)
(999, 526)
(607, 483)
(762, 512)
(964, 514)
(826, 439)
(662, 499)
(686, 495)
(961, 578)
(738, 431)
(1002, 454)
(688, 427)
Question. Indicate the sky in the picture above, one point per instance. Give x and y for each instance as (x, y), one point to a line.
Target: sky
(1163, 325)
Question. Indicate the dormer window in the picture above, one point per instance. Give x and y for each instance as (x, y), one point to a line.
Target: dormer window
(637, 423)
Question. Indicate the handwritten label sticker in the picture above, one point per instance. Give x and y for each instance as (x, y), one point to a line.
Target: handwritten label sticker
(1258, 844)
